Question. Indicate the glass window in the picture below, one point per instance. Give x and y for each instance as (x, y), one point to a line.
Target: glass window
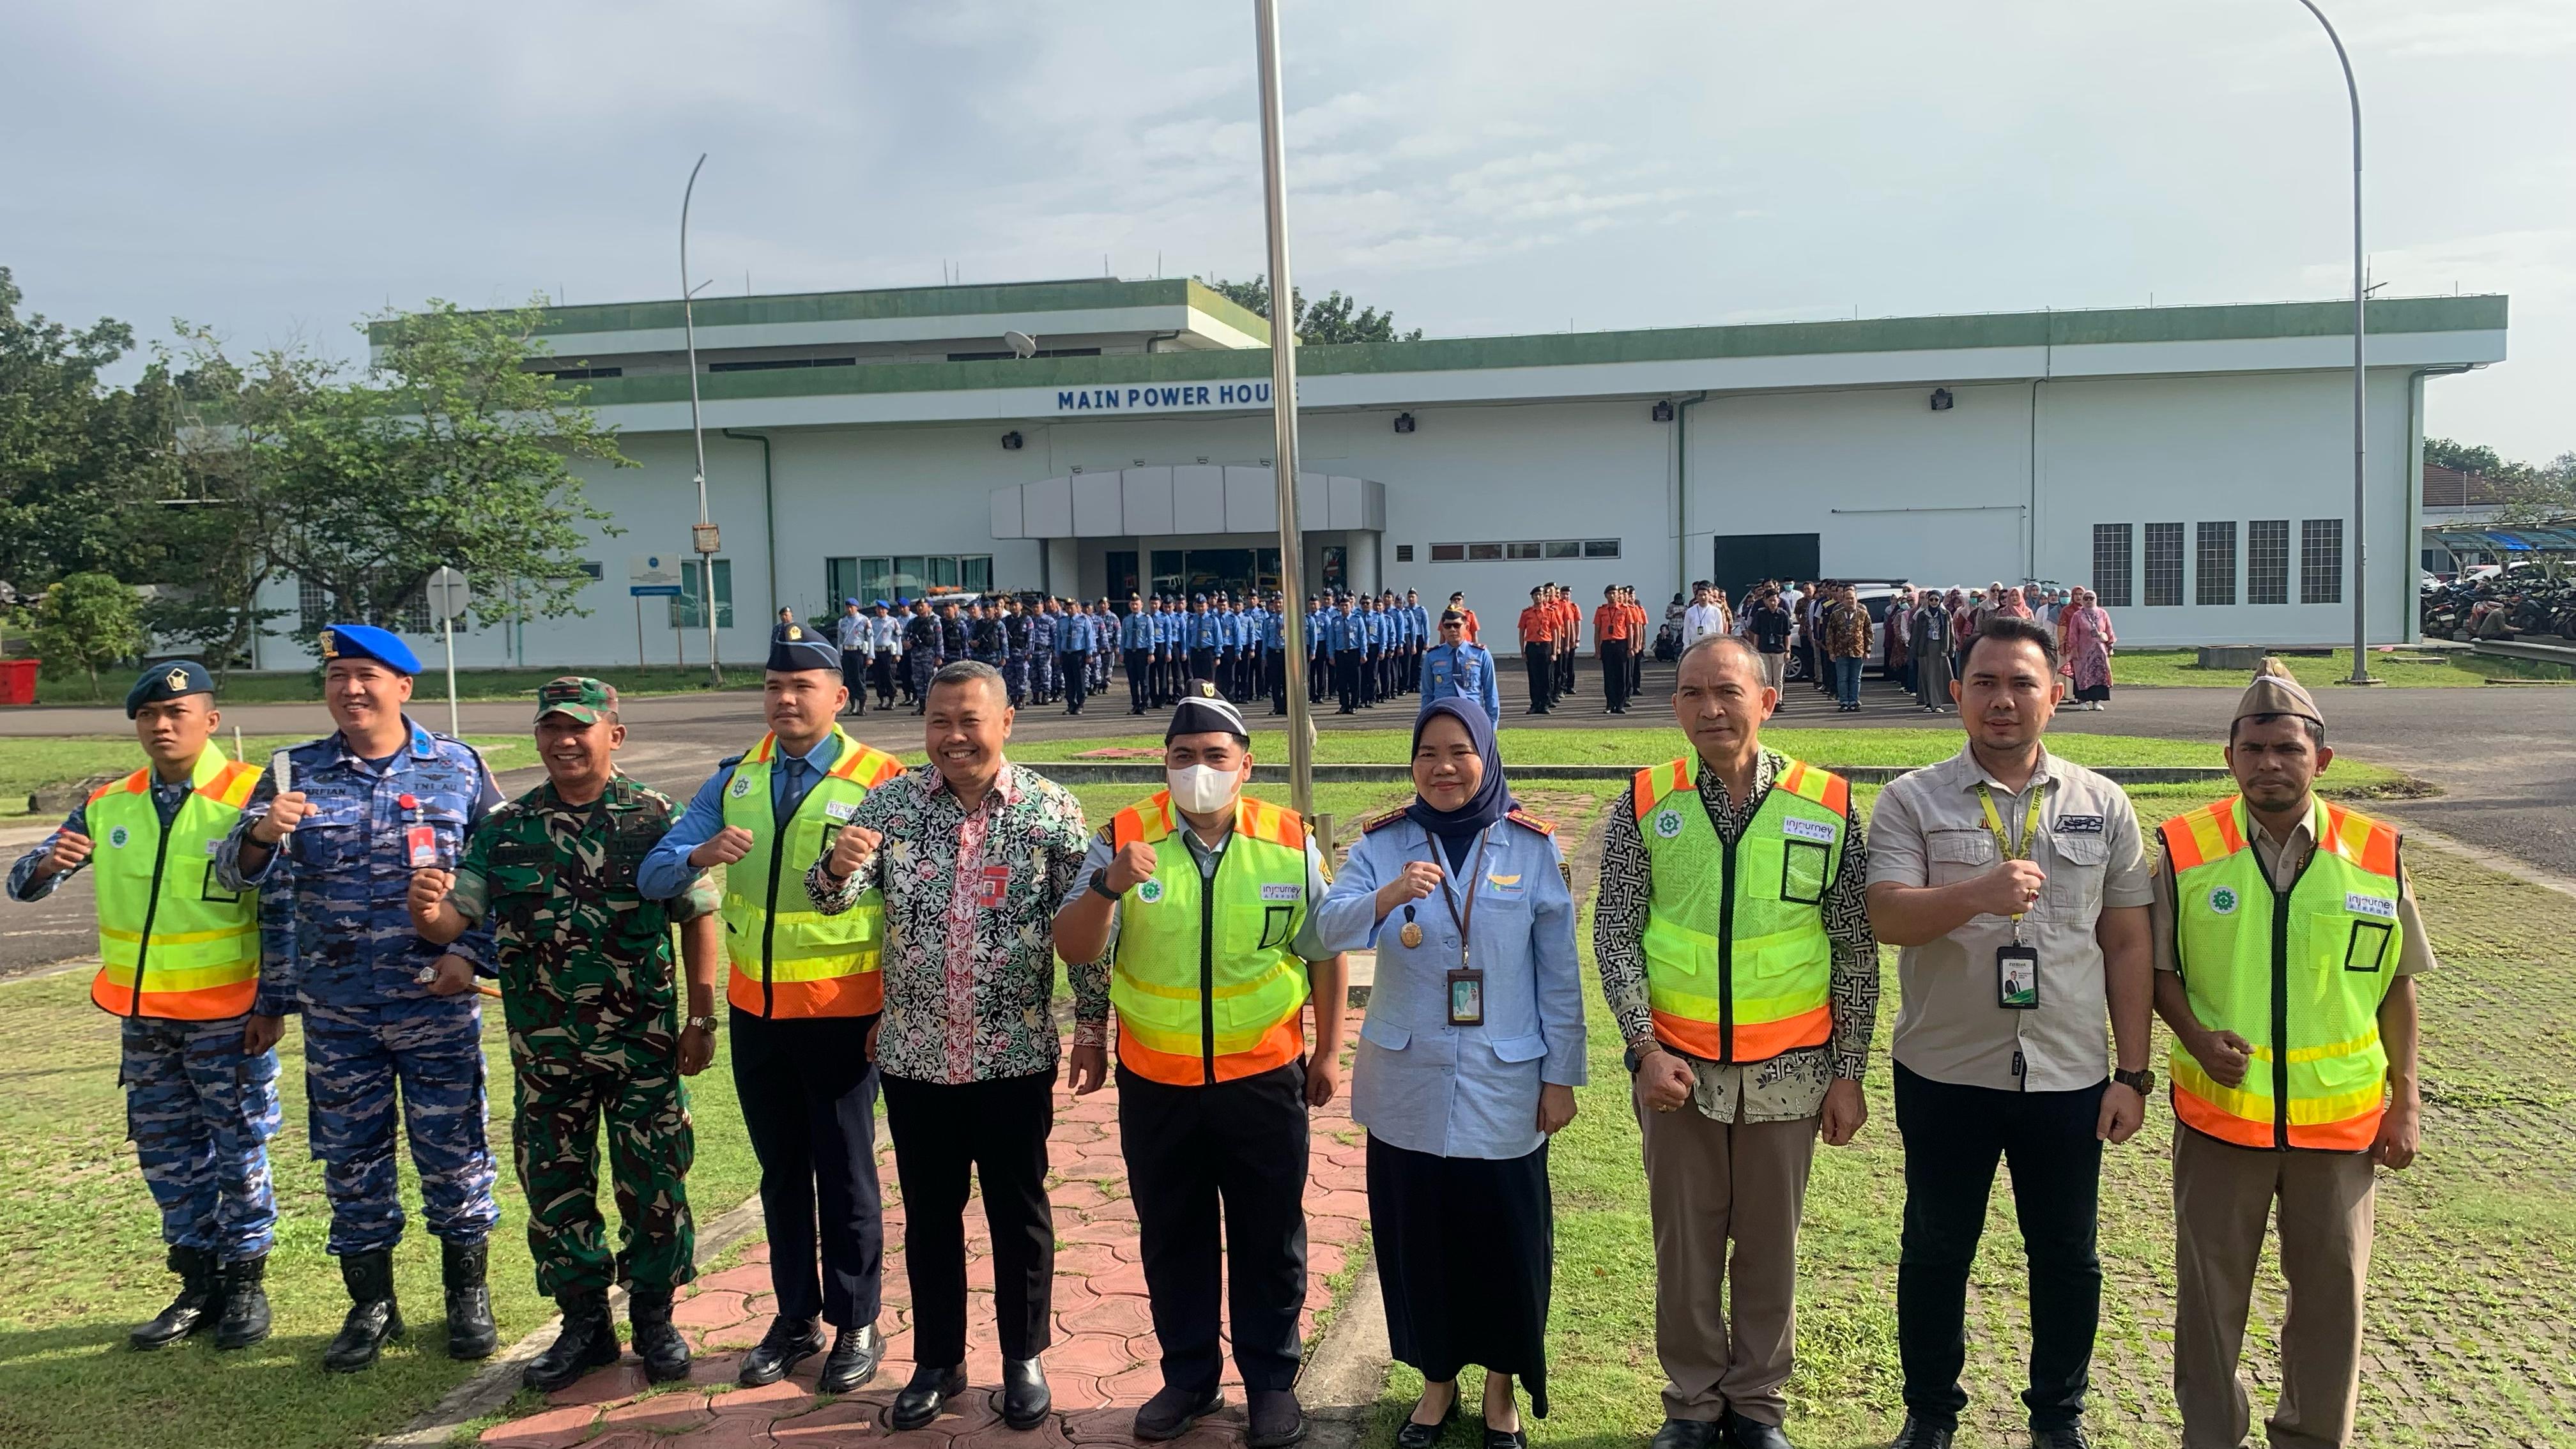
(2164, 565)
(2215, 570)
(1525, 550)
(2267, 561)
(2111, 564)
(594, 569)
(312, 606)
(1337, 566)
(1448, 552)
(1484, 550)
(975, 573)
(684, 608)
(911, 575)
(840, 581)
(1565, 548)
(876, 579)
(1601, 548)
(1169, 564)
(2321, 561)
(943, 570)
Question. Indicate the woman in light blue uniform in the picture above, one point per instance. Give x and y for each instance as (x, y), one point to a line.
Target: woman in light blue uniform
(1468, 1060)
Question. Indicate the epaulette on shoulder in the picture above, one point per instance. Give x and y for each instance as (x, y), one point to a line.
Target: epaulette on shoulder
(1524, 818)
(1382, 821)
(729, 761)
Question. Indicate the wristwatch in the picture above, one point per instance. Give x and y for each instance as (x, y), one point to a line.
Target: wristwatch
(1100, 886)
(1635, 1057)
(2142, 1081)
(702, 1023)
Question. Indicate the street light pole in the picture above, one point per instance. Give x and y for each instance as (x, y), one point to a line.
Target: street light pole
(2360, 403)
(1283, 415)
(698, 538)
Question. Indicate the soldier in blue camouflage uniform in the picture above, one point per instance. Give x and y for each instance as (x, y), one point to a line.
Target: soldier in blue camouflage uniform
(339, 841)
(1042, 635)
(1015, 651)
(199, 1067)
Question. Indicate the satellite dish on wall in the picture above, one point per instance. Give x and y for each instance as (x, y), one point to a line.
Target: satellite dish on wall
(1021, 343)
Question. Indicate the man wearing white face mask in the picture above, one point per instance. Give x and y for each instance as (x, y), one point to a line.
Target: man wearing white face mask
(1205, 902)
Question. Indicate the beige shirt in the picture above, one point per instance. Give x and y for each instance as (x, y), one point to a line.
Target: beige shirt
(1929, 830)
(2282, 860)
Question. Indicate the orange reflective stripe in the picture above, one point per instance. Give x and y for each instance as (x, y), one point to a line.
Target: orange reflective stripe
(1135, 826)
(1641, 792)
(1651, 787)
(1278, 1047)
(2352, 1134)
(213, 1003)
(866, 764)
(2207, 1117)
(859, 994)
(1693, 1038)
(1264, 821)
(1837, 794)
(1761, 1041)
(2182, 848)
(134, 784)
(761, 752)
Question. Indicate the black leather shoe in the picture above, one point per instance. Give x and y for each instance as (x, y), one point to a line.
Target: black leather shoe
(588, 1341)
(245, 1303)
(664, 1351)
(929, 1391)
(789, 1342)
(1414, 1434)
(1918, 1435)
(1276, 1418)
(1744, 1433)
(853, 1360)
(374, 1316)
(470, 1330)
(1171, 1412)
(1024, 1399)
(1506, 1438)
(1686, 1434)
(187, 1312)
(2066, 1436)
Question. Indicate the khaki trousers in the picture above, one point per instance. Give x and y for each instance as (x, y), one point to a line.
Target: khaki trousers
(2222, 1195)
(1708, 1183)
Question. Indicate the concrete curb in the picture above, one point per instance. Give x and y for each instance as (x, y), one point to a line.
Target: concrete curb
(1346, 1370)
(1107, 772)
(499, 1380)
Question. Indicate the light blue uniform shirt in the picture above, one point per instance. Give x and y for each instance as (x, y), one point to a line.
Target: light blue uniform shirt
(1418, 1082)
(1464, 671)
(1136, 631)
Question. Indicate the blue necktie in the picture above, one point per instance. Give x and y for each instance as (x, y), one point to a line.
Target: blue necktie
(791, 790)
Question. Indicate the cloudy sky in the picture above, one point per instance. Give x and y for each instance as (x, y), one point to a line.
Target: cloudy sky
(279, 170)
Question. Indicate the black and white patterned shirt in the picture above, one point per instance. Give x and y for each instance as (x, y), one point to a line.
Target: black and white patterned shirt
(1791, 1085)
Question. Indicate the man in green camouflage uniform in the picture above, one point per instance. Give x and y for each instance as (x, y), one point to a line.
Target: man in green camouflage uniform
(587, 990)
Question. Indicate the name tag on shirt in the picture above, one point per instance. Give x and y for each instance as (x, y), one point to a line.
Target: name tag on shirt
(1815, 830)
(840, 809)
(1283, 892)
(2362, 905)
(2079, 824)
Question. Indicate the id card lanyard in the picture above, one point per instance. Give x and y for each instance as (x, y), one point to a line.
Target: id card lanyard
(1466, 983)
(2016, 965)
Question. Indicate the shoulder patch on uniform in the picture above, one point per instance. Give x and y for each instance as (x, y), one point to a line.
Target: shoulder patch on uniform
(1524, 818)
(1389, 818)
(729, 761)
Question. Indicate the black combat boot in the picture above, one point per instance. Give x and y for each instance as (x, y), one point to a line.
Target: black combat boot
(245, 1300)
(470, 1332)
(374, 1316)
(187, 1312)
(664, 1351)
(588, 1341)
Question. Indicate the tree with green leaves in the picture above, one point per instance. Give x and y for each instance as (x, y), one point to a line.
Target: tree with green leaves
(2525, 493)
(86, 620)
(83, 466)
(1323, 323)
(447, 450)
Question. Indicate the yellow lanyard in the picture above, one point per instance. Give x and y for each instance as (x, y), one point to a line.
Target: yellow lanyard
(2003, 842)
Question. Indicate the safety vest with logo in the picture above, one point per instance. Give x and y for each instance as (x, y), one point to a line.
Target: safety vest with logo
(788, 958)
(1738, 965)
(171, 942)
(2299, 974)
(1206, 988)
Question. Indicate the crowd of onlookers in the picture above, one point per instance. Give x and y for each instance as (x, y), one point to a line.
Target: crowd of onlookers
(1826, 633)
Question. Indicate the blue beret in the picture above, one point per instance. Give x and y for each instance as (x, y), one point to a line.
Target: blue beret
(366, 641)
(849, 603)
(800, 649)
(168, 681)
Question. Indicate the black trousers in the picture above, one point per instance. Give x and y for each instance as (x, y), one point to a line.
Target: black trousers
(1202, 665)
(1346, 678)
(809, 1104)
(1237, 1149)
(1614, 673)
(1140, 688)
(881, 674)
(1541, 662)
(1319, 676)
(854, 678)
(1953, 1137)
(997, 1130)
(1275, 668)
(1076, 670)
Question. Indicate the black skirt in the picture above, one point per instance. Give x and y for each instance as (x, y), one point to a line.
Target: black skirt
(1466, 1251)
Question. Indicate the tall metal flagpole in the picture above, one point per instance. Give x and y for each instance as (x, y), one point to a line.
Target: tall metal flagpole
(1283, 416)
(2360, 405)
(701, 538)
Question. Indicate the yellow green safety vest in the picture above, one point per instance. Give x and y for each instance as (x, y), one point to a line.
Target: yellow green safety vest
(1738, 965)
(2299, 974)
(790, 959)
(1205, 985)
(171, 942)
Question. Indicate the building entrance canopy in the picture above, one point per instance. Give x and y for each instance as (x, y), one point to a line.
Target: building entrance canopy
(1199, 499)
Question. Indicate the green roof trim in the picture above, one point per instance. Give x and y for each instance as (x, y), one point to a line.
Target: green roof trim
(1579, 349)
(805, 307)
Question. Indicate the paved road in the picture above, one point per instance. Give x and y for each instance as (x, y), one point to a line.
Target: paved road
(2504, 755)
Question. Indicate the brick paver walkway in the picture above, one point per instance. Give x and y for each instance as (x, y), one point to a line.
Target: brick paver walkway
(1101, 1366)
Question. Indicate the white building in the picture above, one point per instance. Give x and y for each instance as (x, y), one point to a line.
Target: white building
(2194, 464)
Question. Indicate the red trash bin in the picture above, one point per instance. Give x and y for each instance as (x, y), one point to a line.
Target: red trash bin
(17, 681)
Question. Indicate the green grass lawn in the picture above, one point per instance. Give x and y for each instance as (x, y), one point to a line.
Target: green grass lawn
(502, 684)
(81, 1258)
(2412, 668)
(29, 764)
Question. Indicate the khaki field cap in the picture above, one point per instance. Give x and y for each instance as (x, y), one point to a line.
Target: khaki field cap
(2275, 692)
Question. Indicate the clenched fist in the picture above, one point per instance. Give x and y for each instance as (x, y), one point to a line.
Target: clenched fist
(2009, 889)
(1131, 867)
(853, 851)
(429, 887)
(1419, 878)
(71, 850)
(287, 811)
(723, 848)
